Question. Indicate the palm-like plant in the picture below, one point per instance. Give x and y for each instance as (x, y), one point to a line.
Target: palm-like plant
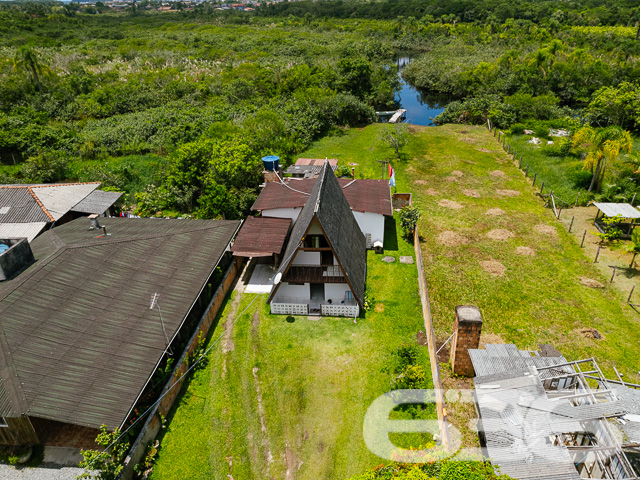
(28, 60)
(633, 247)
(604, 146)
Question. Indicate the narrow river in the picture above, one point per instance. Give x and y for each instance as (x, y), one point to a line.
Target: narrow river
(421, 107)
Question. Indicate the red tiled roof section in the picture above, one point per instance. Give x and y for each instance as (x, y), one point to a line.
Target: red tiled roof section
(261, 237)
(371, 196)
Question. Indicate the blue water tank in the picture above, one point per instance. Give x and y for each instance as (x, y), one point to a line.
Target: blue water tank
(3, 248)
(270, 162)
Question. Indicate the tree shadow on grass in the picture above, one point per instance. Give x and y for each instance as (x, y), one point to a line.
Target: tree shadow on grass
(390, 234)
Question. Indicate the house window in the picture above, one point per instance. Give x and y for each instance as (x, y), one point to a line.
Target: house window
(315, 241)
(3, 422)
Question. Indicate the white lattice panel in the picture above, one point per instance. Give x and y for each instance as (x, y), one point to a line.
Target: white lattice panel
(340, 310)
(289, 309)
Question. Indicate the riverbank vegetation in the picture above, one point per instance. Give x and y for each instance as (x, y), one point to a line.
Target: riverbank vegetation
(94, 87)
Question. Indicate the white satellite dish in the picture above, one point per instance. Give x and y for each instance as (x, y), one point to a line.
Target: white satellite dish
(277, 278)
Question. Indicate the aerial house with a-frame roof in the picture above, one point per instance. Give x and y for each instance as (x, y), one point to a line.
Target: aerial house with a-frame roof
(323, 269)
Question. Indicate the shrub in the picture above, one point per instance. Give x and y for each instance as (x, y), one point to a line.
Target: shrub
(45, 168)
(517, 129)
(409, 217)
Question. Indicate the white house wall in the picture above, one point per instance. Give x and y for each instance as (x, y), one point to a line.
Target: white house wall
(306, 258)
(372, 223)
(288, 291)
(291, 213)
(335, 291)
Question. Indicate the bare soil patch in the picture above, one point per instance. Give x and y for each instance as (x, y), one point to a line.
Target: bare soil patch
(495, 212)
(500, 234)
(452, 179)
(452, 239)
(484, 150)
(471, 193)
(546, 229)
(379, 307)
(421, 338)
(457, 173)
(508, 193)
(591, 283)
(432, 192)
(450, 204)
(490, 338)
(493, 267)
(591, 333)
(468, 139)
(525, 251)
(498, 173)
(420, 182)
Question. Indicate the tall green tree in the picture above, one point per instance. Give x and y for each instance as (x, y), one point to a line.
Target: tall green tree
(28, 60)
(603, 148)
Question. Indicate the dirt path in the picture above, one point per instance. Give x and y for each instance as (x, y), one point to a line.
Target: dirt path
(227, 341)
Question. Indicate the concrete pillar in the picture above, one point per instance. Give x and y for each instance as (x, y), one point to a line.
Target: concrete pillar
(467, 329)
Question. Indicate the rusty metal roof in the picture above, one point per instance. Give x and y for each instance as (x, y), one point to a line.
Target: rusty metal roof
(333, 162)
(261, 237)
(372, 196)
(78, 340)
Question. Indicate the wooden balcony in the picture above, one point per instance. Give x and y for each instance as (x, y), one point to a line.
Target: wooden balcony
(314, 274)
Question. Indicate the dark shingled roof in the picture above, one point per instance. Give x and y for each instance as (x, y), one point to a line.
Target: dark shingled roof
(77, 338)
(261, 237)
(328, 204)
(362, 195)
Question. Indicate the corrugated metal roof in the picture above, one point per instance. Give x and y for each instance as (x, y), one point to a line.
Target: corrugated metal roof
(97, 201)
(362, 195)
(328, 204)
(613, 209)
(58, 199)
(261, 237)
(21, 230)
(333, 162)
(18, 205)
(77, 324)
(497, 359)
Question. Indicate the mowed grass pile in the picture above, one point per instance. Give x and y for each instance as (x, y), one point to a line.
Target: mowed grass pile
(286, 399)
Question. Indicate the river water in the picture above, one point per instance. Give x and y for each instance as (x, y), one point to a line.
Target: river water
(421, 107)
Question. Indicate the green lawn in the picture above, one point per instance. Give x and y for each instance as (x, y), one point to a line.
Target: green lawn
(282, 396)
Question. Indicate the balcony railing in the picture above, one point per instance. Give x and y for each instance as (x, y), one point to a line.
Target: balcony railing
(314, 274)
(300, 306)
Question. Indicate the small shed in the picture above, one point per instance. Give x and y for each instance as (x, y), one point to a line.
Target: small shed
(628, 213)
(310, 167)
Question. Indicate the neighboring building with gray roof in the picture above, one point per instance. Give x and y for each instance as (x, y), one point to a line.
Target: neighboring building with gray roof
(541, 419)
(78, 340)
(27, 210)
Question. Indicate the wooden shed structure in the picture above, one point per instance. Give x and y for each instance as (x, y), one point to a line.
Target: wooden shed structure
(627, 212)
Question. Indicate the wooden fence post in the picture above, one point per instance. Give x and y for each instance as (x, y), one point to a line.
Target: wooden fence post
(535, 175)
(631, 293)
(526, 174)
(577, 198)
(542, 186)
(614, 274)
(597, 254)
(571, 225)
(583, 237)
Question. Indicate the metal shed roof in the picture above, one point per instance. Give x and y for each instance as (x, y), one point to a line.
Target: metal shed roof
(613, 209)
(77, 338)
(261, 237)
(21, 230)
(97, 201)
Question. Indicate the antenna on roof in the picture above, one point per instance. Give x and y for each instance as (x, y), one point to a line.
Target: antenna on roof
(154, 303)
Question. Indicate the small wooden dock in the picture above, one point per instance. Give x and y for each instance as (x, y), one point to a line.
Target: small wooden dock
(395, 116)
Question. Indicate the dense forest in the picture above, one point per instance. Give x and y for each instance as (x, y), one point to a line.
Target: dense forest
(176, 108)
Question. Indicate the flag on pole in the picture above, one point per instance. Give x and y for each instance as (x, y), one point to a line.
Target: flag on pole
(392, 176)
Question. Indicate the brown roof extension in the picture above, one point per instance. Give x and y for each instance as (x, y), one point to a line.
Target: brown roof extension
(363, 195)
(261, 237)
(333, 162)
(77, 338)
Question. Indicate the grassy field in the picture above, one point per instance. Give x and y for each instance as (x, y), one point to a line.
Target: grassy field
(282, 399)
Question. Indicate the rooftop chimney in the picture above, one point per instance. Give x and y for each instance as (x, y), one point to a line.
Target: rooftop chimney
(95, 224)
(16, 257)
